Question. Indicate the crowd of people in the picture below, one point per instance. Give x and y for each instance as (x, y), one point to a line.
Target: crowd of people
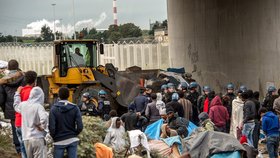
(238, 112)
(23, 103)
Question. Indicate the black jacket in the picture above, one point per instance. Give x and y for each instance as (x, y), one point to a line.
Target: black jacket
(178, 108)
(268, 102)
(65, 121)
(249, 111)
(180, 125)
(7, 92)
(130, 119)
(141, 102)
(200, 102)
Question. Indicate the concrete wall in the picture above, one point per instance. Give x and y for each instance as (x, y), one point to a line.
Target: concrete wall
(225, 41)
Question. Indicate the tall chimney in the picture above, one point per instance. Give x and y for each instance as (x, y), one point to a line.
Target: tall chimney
(115, 12)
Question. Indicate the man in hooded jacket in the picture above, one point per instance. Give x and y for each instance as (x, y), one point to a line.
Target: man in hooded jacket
(65, 124)
(218, 114)
(8, 86)
(34, 122)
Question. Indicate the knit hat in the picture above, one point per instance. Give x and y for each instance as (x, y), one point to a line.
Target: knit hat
(203, 116)
(169, 110)
(131, 107)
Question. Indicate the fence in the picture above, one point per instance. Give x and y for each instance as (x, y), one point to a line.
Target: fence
(39, 57)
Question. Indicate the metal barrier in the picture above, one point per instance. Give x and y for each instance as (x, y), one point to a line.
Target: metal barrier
(39, 56)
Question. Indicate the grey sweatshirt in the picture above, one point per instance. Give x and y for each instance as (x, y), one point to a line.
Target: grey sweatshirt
(33, 114)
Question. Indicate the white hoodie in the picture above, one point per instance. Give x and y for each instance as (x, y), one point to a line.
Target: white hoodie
(33, 114)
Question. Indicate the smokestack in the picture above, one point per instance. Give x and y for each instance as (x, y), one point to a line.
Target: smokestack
(115, 12)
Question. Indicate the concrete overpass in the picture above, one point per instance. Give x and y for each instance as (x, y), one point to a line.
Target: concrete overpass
(225, 41)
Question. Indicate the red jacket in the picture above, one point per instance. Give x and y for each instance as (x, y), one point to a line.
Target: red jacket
(218, 113)
(24, 95)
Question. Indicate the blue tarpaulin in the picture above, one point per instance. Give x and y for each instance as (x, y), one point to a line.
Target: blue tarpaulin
(191, 128)
(174, 140)
(235, 154)
(153, 130)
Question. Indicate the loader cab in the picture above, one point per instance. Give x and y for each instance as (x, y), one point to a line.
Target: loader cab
(75, 54)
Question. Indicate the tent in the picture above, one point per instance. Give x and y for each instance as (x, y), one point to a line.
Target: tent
(153, 130)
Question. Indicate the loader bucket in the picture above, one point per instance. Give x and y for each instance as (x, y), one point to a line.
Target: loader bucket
(127, 90)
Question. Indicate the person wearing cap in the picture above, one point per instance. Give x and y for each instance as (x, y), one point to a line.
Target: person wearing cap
(148, 93)
(205, 122)
(270, 97)
(193, 97)
(176, 106)
(88, 106)
(237, 115)
(176, 123)
(203, 101)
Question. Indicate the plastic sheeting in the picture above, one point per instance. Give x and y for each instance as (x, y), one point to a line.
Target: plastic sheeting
(174, 140)
(235, 154)
(207, 143)
(191, 128)
(153, 130)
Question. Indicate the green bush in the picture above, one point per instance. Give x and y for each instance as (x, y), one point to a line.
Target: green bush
(93, 132)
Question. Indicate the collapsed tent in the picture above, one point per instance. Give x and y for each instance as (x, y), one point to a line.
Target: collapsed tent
(208, 144)
(171, 146)
(153, 130)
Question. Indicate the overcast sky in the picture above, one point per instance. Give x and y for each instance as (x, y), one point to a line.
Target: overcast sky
(17, 14)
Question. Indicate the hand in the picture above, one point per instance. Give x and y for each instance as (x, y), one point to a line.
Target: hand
(19, 89)
(167, 130)
(241, 126)
(39, 128)
(138, 113)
